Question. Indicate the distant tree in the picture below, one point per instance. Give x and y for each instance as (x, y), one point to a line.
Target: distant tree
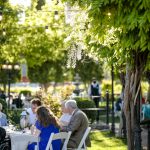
(87, 68)
(47, 72)
(40, 3)
(8, 38)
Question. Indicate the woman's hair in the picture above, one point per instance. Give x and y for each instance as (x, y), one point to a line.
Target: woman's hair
(36, 101)
(46, 117)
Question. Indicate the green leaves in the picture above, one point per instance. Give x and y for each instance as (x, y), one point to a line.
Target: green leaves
(130, 22)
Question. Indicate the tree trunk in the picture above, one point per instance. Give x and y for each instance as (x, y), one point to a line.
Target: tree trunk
(46, 86)
(132, 101)
(4, 87)
(86, 87)
(127, 109)
(122, 79)
(54, 87)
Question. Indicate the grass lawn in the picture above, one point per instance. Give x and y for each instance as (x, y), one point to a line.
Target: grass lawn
(102, 140)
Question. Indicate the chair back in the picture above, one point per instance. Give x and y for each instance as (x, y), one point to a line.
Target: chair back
(82, 143)
(62, 136)
(23, 141)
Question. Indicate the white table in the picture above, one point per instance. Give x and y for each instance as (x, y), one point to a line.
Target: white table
(20, 140)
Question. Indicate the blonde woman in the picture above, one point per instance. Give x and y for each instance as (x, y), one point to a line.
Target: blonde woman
(65, 118)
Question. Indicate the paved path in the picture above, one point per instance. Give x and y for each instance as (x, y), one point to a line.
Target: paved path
(144, 138)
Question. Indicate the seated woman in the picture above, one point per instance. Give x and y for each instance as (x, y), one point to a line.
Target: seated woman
(3, 119)
(65, 118)
(45, 125)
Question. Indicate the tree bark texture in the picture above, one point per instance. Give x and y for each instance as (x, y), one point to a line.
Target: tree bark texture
(131, 107)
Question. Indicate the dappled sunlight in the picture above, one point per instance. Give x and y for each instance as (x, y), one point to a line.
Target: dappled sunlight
(103, 140)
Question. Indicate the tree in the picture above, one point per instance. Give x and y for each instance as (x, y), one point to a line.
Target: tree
(8, 35)
(39, 40)
(41, 37)
(47, 72)
(40, 3)
(87, 68)
(129, 23)
(43, 44)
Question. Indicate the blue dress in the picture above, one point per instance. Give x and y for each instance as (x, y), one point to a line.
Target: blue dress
(44, 137)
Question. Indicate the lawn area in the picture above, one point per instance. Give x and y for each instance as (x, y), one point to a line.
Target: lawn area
(102, 140)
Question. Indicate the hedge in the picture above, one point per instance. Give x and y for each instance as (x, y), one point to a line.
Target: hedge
(4, 104)
(87, 103)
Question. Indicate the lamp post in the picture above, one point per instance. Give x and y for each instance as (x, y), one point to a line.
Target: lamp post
(9, 67)
(113, 115)
(107, 107)
(77, 83)
(137, 129)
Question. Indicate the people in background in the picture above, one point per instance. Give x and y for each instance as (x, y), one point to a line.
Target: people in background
(95, 93)
(118, 106)
(77, 125)
(65, 118)
(45, 125)
(35, 103)
(17, 102)
(146, 111)
(3, 118)
(9, 101)
(2, 95)
(118, 109)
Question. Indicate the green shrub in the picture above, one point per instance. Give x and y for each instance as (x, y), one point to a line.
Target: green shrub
(87, 103)
(53, 103)
(107, 85)
(4, 104)
(25, 92)
(14, 116)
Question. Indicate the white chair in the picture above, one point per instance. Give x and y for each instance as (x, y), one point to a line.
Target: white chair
(82, 145)
(62, 135)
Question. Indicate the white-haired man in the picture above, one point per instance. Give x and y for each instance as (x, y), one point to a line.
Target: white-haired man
(77, 125)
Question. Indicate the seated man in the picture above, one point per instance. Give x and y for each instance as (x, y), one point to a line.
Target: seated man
(77, 125)
(35, 103)
(65, 118)
(3, 119)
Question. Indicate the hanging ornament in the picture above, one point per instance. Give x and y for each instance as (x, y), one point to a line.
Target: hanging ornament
(74, 54)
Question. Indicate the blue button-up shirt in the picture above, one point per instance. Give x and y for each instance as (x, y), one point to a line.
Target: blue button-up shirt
(3, 119)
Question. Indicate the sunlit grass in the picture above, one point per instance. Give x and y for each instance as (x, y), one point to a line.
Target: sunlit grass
(106, 141)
